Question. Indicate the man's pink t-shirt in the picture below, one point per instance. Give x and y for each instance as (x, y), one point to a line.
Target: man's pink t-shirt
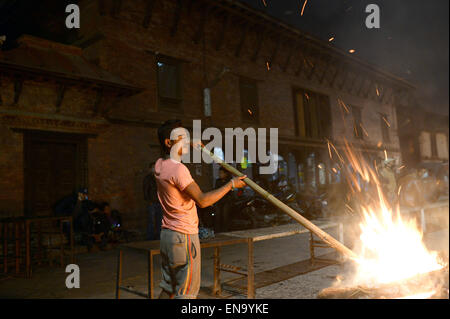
(180, 212)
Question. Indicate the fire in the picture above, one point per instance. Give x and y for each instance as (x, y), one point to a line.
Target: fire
(390, 248)
(422, 295)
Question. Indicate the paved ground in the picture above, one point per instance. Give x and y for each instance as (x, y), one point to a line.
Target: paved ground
(98, 271)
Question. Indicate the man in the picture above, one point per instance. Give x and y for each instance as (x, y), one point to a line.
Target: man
(154, 208)
(178, 194)
(78, 206)
(70, 204)
(222, 220)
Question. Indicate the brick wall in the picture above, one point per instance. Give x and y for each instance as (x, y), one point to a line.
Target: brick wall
(119, 155)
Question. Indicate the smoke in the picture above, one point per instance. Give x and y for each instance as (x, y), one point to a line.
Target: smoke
(412, 42)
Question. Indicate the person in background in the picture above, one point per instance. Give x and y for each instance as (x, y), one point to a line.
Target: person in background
(221, 222)
(388, 180)
(154, 207)
(71, 204)
(75, 205)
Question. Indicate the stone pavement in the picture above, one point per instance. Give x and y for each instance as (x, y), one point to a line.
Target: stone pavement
(98, 271)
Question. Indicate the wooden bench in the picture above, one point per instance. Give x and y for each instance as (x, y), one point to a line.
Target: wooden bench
(152, 248)
(246, 279)
(23, 231)
(285, 272)
(422, 211)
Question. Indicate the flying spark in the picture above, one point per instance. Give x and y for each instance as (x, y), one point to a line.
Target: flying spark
(351, 51)
(264, 2)
(343, 105)
(330, 39)
(385, 155)
(349, 208)
(329, 149)
(387, 123)
(303, 8)
(364, 130)
(337, 153)
(268, 65)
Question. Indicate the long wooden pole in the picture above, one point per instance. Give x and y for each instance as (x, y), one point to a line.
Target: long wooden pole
(333, 243)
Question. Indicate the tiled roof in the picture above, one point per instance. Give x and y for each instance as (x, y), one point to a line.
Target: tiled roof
(43, 57)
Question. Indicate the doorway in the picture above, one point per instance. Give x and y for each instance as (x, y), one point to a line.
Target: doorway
(55, 165)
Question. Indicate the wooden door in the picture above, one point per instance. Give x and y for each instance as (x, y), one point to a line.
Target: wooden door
(52, 171)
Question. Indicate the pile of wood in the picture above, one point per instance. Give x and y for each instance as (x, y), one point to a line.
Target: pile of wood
(436, 280)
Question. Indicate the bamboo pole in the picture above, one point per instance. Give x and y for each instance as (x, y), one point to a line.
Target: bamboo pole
(333, 243)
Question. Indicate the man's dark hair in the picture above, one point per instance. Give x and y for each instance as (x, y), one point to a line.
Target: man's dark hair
(164, 133)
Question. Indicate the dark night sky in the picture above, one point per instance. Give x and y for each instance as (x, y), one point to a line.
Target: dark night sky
(412, 41)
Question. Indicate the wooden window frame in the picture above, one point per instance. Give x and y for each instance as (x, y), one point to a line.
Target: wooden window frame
(254, 119)
(164, 101)
(320, 101)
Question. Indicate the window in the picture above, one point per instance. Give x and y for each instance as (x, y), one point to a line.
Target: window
(441, 145)
(385, 125)
(248, 90)
(357, 122)
(169, 83)
(313, 115)
(425, 144)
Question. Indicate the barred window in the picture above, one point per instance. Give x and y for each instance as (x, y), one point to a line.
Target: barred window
(313, 115)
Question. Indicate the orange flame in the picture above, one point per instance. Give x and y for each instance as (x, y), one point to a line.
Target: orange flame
(390, 249)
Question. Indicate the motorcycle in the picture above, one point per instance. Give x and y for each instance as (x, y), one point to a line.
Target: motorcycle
(243, 210)
(265, 214)
(313, 206)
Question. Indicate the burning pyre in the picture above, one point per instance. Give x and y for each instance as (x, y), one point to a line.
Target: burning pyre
(392, 260)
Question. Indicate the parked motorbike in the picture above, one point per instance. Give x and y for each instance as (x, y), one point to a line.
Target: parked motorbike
(265, 214)
(417, 188)
(243, 210)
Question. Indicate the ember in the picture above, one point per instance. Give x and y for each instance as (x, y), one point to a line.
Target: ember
(303, 8)
(415, 288)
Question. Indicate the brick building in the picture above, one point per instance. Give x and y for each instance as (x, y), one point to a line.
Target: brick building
(423, 136)
(85, 113)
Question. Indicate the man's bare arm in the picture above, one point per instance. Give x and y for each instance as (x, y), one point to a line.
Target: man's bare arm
(207, 199)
